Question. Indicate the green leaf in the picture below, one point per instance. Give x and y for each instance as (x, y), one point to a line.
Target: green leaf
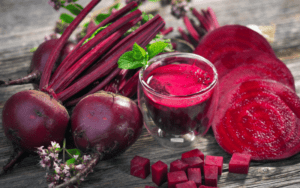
(66, 18)
(100, 17)
(156, 48)
(138, 52)
(71, 161)
(126, 61)
(146, 17)
(74, 152)
(33, 49)
(73, 8)
(58, 149)
(96, 32)
(117, 6)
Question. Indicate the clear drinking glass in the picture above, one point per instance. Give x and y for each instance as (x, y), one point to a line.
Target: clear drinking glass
(175, 120)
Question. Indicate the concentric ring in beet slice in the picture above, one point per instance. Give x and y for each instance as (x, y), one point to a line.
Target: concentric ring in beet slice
(261, 118)
(231, 38)
(261, 60)
(243, 73)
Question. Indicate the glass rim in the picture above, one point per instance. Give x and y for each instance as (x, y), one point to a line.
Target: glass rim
(180, 54)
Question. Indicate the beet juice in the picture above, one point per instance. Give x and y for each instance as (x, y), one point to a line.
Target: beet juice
(178, 95)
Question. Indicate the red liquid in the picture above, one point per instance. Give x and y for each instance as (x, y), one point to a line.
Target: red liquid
(182, 107)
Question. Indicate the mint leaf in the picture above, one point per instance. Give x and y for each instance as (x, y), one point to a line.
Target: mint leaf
(33, 49)
(71, 161)
(138, 52)
(146, 17)
(74, 8)
(100, 17)
(127, 61)
(156, 48)
(74, 152)
(66, 18)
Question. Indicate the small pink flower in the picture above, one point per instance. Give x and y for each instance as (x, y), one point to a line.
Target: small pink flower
(87, 158)
(54, 155)
(57, 177)
(76, 156)
(79, 167)
(47, 158)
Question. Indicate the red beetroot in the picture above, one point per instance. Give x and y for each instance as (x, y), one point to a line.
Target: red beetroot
(194, 174)
(193, 153)
(231, 38)
(261, 118)
(159, 172)
(211, 175)
(178, 165)
(188, 184)
(214, 161)
(239, 163)
(148, 186)
(140, 167)
(204, 186)
(38, 62)
(176, 177)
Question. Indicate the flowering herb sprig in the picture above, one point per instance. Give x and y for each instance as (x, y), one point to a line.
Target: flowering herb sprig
(59, 170)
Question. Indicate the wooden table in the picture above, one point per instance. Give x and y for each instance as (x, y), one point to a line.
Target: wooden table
(23, 26)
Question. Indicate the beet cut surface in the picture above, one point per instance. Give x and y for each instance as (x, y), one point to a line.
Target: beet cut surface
(159, 172)
(176, 177)
(194, 174)
(188, 184)
(193, 153)
(140, 167)
(214, 161)
(178, 165)
(211, 175)
(239, 163)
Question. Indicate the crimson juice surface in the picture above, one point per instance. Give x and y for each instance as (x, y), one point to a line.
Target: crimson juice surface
(178, 94)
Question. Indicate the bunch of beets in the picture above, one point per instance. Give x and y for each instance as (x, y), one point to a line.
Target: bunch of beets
(67, 73)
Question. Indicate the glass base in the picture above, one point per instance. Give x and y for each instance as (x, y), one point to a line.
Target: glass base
(174, 141)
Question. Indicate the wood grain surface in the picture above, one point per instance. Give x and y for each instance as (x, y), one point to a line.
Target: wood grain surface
(23, 25)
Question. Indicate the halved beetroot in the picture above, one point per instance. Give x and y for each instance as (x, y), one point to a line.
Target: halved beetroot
(270, 65)
(261, 118)
(231, 38)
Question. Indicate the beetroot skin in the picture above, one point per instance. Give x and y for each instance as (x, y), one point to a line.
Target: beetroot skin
(260, 118)
(31, 119)
(107, 121)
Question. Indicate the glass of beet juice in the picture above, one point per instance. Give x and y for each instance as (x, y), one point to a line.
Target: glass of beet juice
(178, 95)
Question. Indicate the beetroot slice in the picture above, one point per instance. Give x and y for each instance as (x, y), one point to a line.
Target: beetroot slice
(231, 38)
(244, 73)
(261, 118)
(271, 65)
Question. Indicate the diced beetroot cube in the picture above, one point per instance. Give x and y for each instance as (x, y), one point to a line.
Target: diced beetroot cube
(194, 162)
(214, 161)
(204, 186)
(239, 163)
(194, 174)
(211, 175)
(178, 165)
(159, 172)
(188, 184)
(140, 167)
(193, 153)
(176, 177)
(148, 186)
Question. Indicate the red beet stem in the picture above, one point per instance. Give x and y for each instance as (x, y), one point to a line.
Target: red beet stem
(191, 29)
(130, 88)
(114, 85)
(109, 61)
(73, 57)
(213, 17)
(91, 57)
(111, 76)
(61, 42)
(202, 19)
(184, 35)
(167, 31)
(30, 78)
